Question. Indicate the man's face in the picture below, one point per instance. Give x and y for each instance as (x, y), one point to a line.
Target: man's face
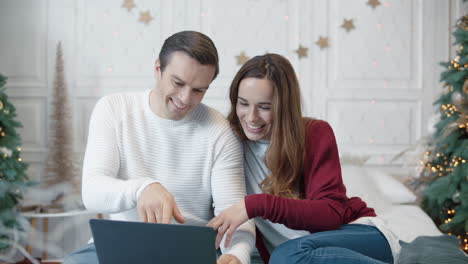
(181, 87)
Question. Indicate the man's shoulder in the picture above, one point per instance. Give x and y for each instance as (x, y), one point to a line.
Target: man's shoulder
(125, 98)
(123, 101)
(211, 118)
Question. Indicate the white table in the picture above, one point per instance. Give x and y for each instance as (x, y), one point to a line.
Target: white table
(33, 217)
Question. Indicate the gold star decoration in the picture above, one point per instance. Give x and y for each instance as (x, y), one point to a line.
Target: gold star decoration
(129, 4)
(301, 52)
(373, 3)
(242, 58)
(348, 25)
(323, 42)
(145, 17)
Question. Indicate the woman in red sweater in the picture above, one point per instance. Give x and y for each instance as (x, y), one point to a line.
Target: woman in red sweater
(293, 176)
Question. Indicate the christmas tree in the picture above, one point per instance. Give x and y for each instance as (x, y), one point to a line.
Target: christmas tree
(60, 171)
(13, 178)
(445, 171)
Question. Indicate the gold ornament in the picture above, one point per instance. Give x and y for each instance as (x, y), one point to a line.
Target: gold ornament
(301, 52)
(128, 4)
(323, 42)
(373, 3)
(348, 25)
(242, 58)
(463, 22)
(1, 105)
(145, 17)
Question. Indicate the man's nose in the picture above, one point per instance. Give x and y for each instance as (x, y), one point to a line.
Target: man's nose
(185, 95)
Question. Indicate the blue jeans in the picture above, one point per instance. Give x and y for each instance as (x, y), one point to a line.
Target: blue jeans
(84, 255)
(353, 243)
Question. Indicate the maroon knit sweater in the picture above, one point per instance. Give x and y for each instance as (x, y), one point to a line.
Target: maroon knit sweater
(325, 205)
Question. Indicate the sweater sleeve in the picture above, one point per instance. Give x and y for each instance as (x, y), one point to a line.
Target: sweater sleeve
(228, 187)
(324, 204)
(102, 190)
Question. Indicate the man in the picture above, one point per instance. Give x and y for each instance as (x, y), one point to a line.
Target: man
(160, 154)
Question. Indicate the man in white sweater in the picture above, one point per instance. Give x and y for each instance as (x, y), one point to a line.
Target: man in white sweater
(160, 154)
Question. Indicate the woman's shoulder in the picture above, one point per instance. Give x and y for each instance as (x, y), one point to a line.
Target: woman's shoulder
(313, 125)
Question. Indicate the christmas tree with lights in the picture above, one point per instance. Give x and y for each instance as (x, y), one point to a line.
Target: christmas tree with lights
(445, 170)
(13, 178)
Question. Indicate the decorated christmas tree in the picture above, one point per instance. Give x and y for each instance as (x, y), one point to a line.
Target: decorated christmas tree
(13, 178)
(445, 171)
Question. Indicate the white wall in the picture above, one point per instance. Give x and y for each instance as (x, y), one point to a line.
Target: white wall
(375, 84)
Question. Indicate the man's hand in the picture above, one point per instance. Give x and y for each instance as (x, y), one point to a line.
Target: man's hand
(228, 259)
(157, 205)
(228, 221)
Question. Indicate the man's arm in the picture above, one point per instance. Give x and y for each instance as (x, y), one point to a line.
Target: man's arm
(101, 189)
(228, 187)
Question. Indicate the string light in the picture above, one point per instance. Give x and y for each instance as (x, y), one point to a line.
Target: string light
(455, 63)
(449, 109)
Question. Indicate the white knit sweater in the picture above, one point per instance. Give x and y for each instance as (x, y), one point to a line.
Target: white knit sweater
(197, 159)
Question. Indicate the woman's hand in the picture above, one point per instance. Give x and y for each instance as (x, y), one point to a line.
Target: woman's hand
(228, 221)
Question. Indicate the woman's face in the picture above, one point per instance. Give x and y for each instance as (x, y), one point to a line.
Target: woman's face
(254, 108)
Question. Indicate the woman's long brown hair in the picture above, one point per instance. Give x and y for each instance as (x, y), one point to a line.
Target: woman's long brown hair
(285, 155)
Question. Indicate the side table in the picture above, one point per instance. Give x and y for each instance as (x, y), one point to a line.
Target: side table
(33, 218)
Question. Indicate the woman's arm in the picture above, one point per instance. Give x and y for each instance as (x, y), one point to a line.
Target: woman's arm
(324, 201)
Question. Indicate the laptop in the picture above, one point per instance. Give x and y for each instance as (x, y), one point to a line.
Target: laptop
(119, 242)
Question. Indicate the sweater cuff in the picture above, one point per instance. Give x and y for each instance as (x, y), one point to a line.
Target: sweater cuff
(254, 204)
(145, 182)
(241, 251)
(242, 243)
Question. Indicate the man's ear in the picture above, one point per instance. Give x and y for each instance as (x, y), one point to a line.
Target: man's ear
(157, 69)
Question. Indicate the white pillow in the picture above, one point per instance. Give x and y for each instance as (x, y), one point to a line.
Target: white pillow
(359, 183)
(375, 187)
(395, 191)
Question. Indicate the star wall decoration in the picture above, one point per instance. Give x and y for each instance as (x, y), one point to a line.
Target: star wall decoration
(129, 5)
(323, 42)
(242, 58)
(373, 3)
(301, 52)
(348, 25)
(145, 17)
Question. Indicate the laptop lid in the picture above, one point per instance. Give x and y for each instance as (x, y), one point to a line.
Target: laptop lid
(119, 242)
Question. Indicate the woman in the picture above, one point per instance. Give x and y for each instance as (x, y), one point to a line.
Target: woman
(293, 175)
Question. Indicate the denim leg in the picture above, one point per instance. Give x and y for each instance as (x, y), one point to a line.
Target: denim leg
(84, 255)
(354, 243)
